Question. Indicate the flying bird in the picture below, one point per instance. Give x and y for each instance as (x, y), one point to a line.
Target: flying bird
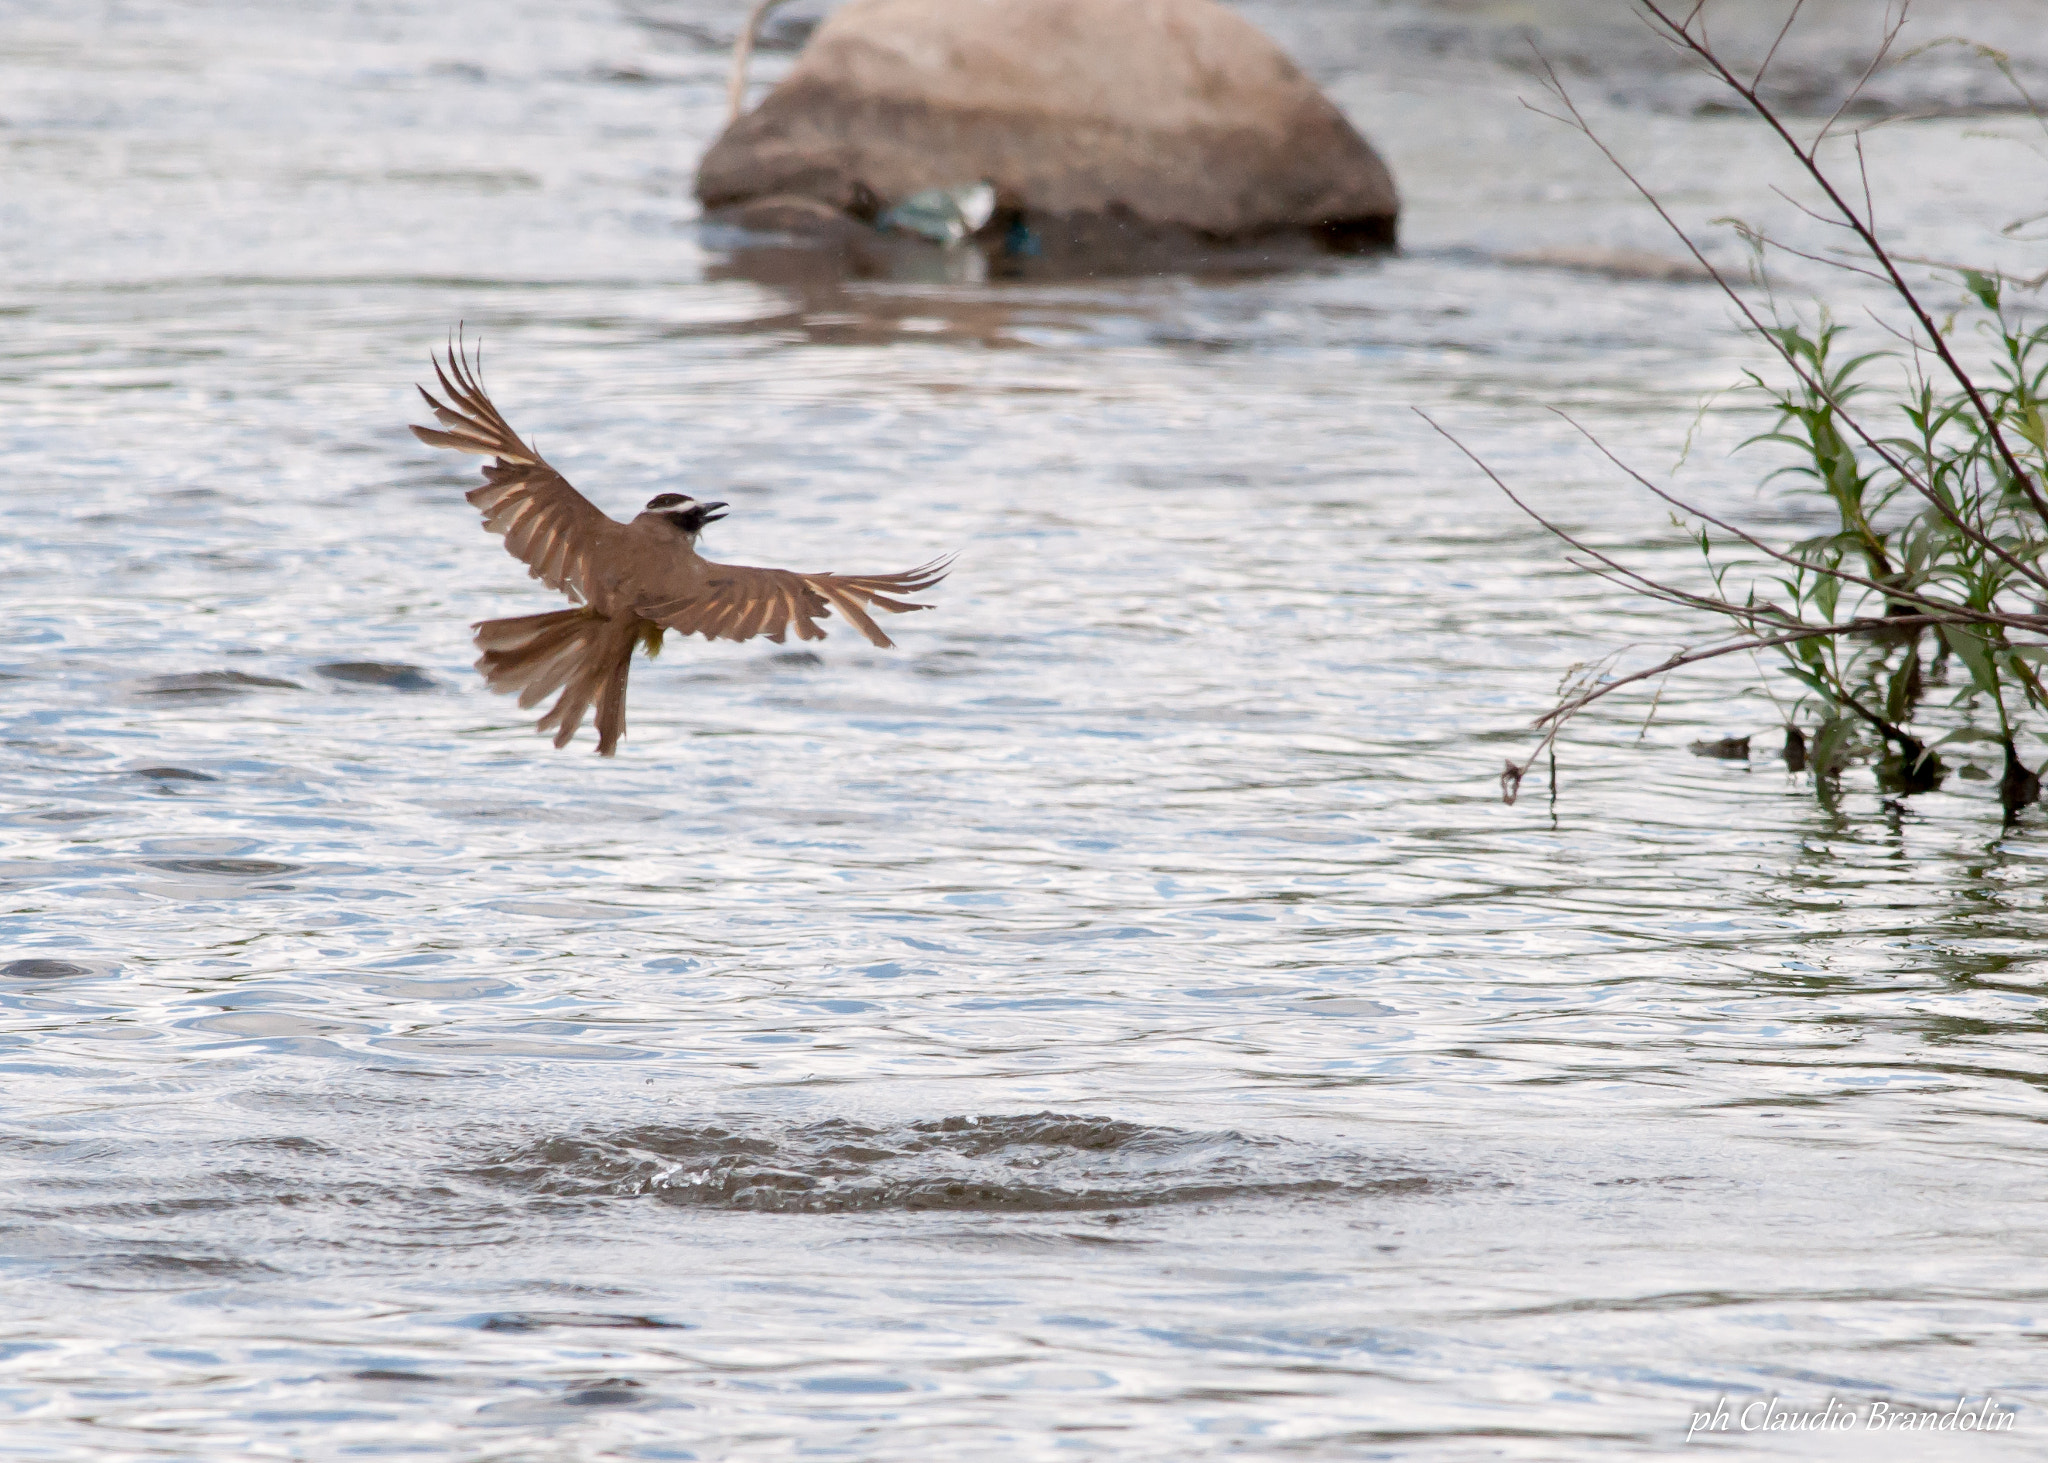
(632, 582)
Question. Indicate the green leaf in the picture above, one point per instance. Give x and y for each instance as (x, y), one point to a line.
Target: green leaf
(1831, 746)
(2029, 423)
(1901, 690)
(1813, 683)
(1970, 647)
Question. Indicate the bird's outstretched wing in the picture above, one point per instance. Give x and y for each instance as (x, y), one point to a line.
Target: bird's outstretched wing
(548, 526)
(740, 602)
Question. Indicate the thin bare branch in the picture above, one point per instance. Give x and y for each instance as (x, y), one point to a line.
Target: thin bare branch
(1877, 251)
(1884, 47)
(2001, 61)
(1863, 168)
(1820, 388)
(2031, 282)
(1615, 572)
(1649, 585)
(1909, 341)
(1943, 608)
(1842, 264)
(1815, 215)
(1685, 599)
(1977, 554)
(1783, 30)
(1862, 626)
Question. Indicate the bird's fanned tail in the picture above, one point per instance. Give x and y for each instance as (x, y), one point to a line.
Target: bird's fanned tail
(580, 653)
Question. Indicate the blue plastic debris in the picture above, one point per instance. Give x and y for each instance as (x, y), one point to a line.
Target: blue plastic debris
(946, 216)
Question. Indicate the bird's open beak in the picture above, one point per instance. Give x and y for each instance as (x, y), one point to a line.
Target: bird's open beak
(709, 516)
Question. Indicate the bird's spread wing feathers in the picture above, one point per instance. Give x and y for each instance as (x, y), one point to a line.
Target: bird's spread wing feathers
(548, 526)
(739, 602)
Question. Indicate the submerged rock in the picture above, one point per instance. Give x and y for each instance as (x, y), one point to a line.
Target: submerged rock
(1731, 749)
(1095, 122)
(398, 676)
(204, 684)
(1615, 264)
(42, 969)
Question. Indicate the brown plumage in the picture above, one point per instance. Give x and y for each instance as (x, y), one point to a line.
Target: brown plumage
(633, 581)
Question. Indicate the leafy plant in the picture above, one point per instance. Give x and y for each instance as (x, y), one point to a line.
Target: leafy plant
(1936, 486)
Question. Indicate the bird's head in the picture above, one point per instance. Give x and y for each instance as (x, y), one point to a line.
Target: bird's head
(685, 512)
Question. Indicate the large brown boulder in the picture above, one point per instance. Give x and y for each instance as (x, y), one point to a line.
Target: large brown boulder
(1172, 113)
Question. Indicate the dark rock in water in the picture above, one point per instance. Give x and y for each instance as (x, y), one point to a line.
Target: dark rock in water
(1615, 264)
(378, 673)
(804, 659)
(1023, 1163)
(388, 1374)
(1732, 748)
(229, 868)
(814, 228)
(1795, 749)
(612, 1392)
(214, 683)
(521, 1321)
(1167, 119)
(2020, 787)
(792, 213)
(174, 774)
(41, 969)
(1910, 768)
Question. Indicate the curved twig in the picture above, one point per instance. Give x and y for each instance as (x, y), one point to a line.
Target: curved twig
(1862, 625)
(742, 57)
(1578, 122)
(1863, 230)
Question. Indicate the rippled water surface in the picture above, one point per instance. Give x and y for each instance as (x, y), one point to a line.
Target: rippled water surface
(1121, 1022)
